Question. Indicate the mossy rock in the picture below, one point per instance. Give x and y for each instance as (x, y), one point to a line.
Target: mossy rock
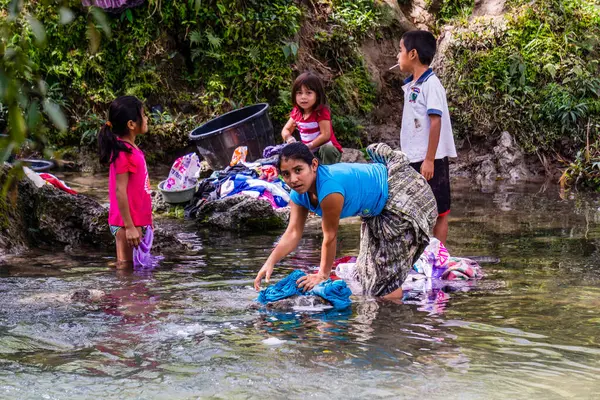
(242, 213)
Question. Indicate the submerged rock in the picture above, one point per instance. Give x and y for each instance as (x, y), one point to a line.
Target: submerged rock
(73, 296)
(485, 170)
(298, 302)
(242, 213)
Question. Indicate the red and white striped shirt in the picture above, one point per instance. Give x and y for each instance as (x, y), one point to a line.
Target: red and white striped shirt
(309, 127)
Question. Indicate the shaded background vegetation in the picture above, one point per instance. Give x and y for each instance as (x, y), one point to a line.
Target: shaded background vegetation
(534, 72)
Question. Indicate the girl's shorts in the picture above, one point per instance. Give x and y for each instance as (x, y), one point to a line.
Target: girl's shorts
(114, 229)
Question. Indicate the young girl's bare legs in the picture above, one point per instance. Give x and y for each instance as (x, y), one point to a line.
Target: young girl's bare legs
(124, 250)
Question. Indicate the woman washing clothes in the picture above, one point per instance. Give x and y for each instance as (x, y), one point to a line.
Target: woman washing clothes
(395, 202)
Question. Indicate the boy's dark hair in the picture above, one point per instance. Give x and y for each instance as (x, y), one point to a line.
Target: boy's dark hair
(122, 110)
(422, 41)
(312, 82)
(296, 151)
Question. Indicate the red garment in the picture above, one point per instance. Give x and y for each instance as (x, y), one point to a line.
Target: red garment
(51, 179)
(309, 128)
(138, 188)
(342, 260)
(268, 173)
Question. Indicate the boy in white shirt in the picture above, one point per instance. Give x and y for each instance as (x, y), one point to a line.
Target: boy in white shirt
(426, 135)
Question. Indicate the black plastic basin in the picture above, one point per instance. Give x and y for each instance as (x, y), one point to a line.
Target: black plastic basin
(249, 126)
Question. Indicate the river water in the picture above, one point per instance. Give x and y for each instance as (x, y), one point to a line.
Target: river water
(187, 329)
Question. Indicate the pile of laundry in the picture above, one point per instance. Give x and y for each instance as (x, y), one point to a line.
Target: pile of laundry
(433, 275)
(258, 180)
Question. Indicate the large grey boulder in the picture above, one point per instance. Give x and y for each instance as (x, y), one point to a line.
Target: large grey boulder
(32, 216)
(510, 160)
(242, 213)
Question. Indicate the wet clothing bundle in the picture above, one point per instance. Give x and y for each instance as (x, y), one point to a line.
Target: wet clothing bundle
(141, 254)
(335, 292)
(428, 284)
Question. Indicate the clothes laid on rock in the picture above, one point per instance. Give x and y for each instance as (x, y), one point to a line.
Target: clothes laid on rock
(54, 181)
(335, 292)
(256, 180)
(207, 191)
(243, 184)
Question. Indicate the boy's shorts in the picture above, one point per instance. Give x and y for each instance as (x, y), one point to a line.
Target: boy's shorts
(440, 183)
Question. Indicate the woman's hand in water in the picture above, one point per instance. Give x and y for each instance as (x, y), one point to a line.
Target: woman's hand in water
(133, 236)
(265, 272)
(307, 282)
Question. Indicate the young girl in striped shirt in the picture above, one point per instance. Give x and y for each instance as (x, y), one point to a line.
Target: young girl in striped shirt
(312, 118)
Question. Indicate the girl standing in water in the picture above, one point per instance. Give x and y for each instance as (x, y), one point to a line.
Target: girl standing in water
(130, 212)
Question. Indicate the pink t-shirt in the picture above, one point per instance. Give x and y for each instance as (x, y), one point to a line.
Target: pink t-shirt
(309, 128)
(138, 188)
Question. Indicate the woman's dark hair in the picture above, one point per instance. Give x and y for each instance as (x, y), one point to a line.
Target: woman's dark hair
(122, 110)
(312, 82)
(422, 41)
(296, 151)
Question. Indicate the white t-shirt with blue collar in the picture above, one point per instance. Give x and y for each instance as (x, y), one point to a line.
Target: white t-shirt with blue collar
(423, 98)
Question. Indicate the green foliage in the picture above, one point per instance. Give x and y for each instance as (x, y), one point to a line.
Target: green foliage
(195, 59)
(584, 170)
(349, 23)
(243, 51)
(450, 9)
(30, 106)
(537, 78)
(352, 94)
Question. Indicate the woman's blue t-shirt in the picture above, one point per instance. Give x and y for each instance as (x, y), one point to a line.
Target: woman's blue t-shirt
(364, 187)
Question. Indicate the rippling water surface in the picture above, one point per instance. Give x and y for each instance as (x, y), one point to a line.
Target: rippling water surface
(530, 329)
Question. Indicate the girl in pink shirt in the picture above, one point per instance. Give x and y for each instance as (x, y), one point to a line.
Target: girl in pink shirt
(129, 190)
(312, 118)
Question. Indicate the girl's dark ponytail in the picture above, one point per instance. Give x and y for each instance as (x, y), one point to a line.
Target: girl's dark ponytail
(121, 111)
(109, 146)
